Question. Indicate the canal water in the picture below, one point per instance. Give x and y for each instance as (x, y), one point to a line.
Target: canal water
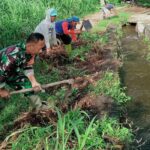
(137, 80)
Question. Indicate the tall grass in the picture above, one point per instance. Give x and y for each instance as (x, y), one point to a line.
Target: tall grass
(73, 131)
(20, 17)
(8, 112)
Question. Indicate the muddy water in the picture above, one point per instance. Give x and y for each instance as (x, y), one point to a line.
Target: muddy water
(137, 80)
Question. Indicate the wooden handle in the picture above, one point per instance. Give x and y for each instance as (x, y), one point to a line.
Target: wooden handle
(69, 81)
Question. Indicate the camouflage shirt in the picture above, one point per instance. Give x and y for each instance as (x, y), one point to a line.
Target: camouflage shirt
(13, 60)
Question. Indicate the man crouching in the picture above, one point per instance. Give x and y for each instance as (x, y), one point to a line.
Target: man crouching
(16, 68)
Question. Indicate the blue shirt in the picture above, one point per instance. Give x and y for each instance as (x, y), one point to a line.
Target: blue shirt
(59, 28)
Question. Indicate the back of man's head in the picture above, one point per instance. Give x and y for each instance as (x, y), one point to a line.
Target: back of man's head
(35, 37)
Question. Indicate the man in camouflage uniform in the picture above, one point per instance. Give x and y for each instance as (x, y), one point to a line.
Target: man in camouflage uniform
(16, 67)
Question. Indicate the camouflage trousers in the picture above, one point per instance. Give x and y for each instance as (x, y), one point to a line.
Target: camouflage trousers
(18, 82)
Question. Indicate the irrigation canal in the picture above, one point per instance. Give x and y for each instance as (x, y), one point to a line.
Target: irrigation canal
(137, 80)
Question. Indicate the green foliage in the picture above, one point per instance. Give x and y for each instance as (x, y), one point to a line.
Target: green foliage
(87, 36)
(19, 18)
(60, 94)
(31, 138)
(10, 109)
(114, 1)
(143, 2)
(51, 76)
(73, 130)
(116, 20)
(86, 140)
(80, 53)
(110, 85)
(111, 127)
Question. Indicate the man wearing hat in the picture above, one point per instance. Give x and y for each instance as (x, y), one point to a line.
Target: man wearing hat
(47, 28)
(66, 31)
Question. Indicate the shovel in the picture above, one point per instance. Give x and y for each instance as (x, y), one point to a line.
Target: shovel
(87, 26)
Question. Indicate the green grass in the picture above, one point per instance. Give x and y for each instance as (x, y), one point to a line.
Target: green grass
(80, 53)
(110, 85)
(73, 131)
(87, 36)
(116, 20)
(10, 110)
(111, 127)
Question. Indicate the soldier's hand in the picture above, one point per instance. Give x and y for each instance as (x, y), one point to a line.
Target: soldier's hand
(54, 47)
(36, 87)
(48, 51)
(4, 93)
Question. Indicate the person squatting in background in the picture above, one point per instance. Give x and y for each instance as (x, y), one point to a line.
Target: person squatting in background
(47, 28)
(66, 31)
(108, 10)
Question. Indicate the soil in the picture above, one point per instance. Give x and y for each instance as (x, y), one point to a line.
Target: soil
(135, 9)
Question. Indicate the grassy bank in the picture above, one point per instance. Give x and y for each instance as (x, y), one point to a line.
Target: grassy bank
(116, 20)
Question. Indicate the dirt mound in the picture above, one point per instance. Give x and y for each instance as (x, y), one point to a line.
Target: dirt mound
(97, 105)
(40, 118)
